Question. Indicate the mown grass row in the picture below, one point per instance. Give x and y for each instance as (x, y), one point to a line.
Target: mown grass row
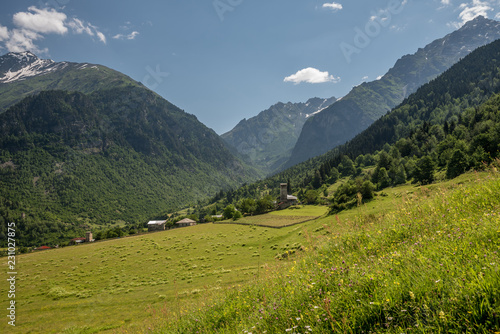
(430, 267)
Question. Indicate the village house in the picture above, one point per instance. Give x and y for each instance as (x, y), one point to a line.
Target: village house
(42, 248)
(76, 241)
(185, 222)
(156, 225)
(285, 199)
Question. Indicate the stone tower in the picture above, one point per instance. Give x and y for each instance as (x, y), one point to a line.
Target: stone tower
(284, 192)
(88, 236)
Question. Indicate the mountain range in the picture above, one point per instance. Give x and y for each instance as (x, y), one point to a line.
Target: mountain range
(267, 139)
(83, 144)
(369, 101)
(105, 149)
(23, 74)
(447, 127)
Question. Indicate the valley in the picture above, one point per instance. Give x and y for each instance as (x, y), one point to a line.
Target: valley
(375, 212)
(169, 278)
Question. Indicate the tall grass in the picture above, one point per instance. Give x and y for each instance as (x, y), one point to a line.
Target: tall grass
(430, 267)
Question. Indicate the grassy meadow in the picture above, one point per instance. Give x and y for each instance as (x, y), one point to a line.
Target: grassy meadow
(283, 218)
(430, 266)
(415, 259)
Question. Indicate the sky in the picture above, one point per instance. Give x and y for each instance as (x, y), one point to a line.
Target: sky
(225, 60)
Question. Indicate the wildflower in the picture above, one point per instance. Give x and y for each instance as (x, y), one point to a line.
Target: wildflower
(441, 315)
(412, 295)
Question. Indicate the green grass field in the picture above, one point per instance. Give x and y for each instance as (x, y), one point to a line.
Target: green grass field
(216, 276)
(283, 218)
(429, 266)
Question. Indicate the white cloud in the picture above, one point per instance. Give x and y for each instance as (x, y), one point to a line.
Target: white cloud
(130, 36)
(472, 10)
(4, 33)
(33, 25)
(23, 40)
(80, 27)
(380, 77)
(311, 75)
(445, 2)
(43, 21)
(101, 36)
(333, 6)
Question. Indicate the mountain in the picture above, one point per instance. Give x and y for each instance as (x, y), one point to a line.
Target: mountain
(268, 138)
(23, 74)
(453, 121)
(369, 101)
(117, 155)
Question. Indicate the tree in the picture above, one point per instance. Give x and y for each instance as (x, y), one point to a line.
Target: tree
(383, 179)
(397, 174)
(317, 180)
(229, 211)
(237, 215)
(264, 204)
(424, 172)
(311, 197)
(346, 167)
(248, 205)
(367, 189)
(457, 165)
(334, 175)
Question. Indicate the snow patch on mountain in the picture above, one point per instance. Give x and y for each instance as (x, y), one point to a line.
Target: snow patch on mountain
(21, 65)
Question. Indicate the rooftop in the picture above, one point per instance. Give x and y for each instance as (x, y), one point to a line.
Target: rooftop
(157, 222)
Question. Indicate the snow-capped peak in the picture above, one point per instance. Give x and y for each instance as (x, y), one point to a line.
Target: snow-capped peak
(16, 66)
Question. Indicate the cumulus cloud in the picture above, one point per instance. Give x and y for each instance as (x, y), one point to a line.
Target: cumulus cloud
(4, 33)
(22, 40)
(333, 6)
(34, 24)
(471, 10)
(130, 36)
(43, 21)
(311, 75)
(445, 2)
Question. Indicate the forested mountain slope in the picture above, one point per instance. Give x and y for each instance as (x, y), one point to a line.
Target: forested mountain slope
(268, 138)
(367, 102)
(119, 155)
(450, 124)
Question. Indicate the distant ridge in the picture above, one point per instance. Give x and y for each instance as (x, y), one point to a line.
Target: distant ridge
(369, 101)
(23, 74)
(268, 138)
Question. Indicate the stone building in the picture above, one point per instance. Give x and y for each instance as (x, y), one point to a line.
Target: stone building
(185, 222)
(156, 225)
(285, 199)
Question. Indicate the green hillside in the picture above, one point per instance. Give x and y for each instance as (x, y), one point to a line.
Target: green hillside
(268, 138)
(73, 77)
(71, 161)
(366, 103)
(227, 278)
(458, 111)
(431, 266)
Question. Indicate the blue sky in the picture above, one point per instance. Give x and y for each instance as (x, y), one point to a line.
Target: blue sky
(225, 60)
